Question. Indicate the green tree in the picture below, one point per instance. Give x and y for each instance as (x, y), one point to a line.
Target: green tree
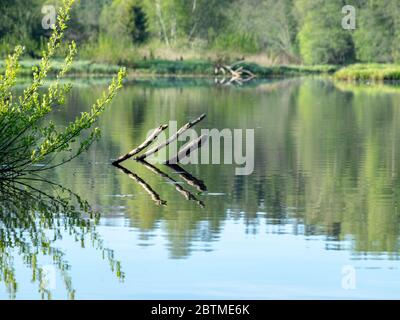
(139, 28)
(19, 24)
(378, 31)
(271, 28)
(321, 37)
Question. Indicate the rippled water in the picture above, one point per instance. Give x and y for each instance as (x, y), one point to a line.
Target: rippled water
(323, 198)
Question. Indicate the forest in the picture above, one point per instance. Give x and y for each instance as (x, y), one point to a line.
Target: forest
(267, 32)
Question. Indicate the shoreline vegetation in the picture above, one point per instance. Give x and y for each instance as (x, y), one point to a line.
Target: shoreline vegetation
(189, 38)
(369, 72)
(203, 68)
(159, 67)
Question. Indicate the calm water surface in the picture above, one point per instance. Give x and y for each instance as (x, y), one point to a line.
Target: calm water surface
(323, 198)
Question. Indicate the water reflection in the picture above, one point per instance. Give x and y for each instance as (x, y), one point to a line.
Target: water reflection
(33, 222)
(326, 177)
(326, 157)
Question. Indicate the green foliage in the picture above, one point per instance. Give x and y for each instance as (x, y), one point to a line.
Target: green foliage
(376, 37)
(29, 143)
(173, 67)
(17, 24)
(376, 72)
(271, 24)
(139, 25)
(110, 49)
(322, 38)
(79, 67)
(286, 31)
(244, 42)
(124, 20)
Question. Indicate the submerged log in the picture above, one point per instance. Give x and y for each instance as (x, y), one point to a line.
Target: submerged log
(144, 145)
(171, 139)
(238, 75)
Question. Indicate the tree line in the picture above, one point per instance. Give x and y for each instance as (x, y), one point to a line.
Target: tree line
(295, 31)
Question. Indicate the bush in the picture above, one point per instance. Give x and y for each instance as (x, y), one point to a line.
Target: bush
(321, 38)
(374, 72)
(26, 138)
(110, 50)
(243, 42)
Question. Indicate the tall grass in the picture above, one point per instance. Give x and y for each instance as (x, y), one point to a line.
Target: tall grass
(109, 50)
(371, 72)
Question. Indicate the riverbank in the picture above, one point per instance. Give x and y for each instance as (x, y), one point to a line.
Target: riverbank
(207, 68)
(198, 68)
(174, 68)
(80, 67)
(369, 72)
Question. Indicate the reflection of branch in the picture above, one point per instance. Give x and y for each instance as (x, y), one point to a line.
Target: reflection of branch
(171, 139)
(190, 180)
(27, 214)
(238, 75)
(186, 150)
(187, 194)
(153, 194)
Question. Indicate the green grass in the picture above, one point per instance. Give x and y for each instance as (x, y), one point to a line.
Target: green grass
(369, 72)
(173, 68)
(81, 67)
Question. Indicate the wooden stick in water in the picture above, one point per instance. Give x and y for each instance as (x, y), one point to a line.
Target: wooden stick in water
(170, 139)
(144, 145)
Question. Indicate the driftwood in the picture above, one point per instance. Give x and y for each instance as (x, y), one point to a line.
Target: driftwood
(187, 194)
(170, 139)
(144, 145)
(154, 195)
(186, 150)
(237, 75)
(189, 179)
(172, 163)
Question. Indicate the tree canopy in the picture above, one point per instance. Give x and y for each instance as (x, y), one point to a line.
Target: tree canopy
(308, 31)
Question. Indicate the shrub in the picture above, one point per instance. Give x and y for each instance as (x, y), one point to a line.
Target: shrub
(28, 143)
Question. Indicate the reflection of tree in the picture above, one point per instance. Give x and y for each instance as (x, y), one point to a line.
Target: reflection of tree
(326, 160)
(32, 221)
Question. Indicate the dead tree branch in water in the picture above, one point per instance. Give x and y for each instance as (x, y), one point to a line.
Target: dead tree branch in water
(183, 152)
(171, 139)
(237, 75)
(144, 145)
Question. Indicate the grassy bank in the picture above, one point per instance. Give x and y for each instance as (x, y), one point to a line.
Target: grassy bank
(174, 68)
(198, 67)
(158, 67)
(369, 72)
(81, 67)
